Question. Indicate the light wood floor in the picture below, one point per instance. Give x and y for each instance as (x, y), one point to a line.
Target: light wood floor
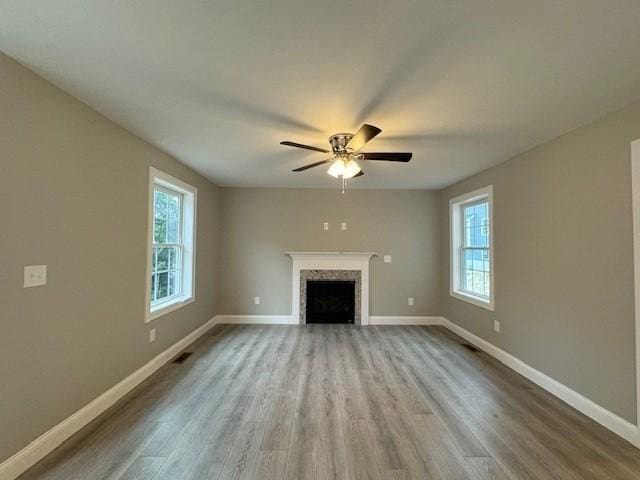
(340, 402)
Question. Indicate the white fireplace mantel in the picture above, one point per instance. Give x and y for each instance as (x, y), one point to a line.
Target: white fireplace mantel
(331, 261)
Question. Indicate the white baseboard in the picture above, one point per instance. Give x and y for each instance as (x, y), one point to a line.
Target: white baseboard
(604, 417)
(378, 320)
(289, 320)
(43, 445)
(264, 319)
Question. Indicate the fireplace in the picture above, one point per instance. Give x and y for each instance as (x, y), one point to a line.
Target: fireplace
(331, 301)
(330, 266)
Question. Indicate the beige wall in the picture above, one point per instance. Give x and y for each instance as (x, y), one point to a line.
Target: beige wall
(261, 224)
(74, 196)
(563, 260)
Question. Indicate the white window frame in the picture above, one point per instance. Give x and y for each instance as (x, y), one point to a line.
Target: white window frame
(188, 234)
(456, 241)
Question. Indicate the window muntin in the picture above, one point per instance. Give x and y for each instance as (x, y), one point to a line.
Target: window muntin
(475, 253)
(168, 246)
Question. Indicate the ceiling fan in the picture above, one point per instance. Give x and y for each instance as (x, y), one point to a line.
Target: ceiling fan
(345, 151)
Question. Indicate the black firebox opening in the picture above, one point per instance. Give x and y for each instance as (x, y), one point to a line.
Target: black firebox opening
(331, 301)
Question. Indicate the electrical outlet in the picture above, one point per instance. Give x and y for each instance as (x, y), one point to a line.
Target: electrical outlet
(256, 300)
(152, 335)
(343, 226)
(387, 259)
(325, 226)
(410, 301)
(496, 326)
(35, 276)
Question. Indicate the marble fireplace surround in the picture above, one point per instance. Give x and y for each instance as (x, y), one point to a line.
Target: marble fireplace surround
(330, 266)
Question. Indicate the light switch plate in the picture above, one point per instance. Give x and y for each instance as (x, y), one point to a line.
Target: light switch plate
(387, 259)
(325, 225)
(410, 301)
(256, 300)
(343, 225)
(496, 326)
(35, 276)
(152, 335)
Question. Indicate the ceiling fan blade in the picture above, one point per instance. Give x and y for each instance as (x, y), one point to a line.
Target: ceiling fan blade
(311, 165)
(362, 136)
(306, 147)
(389, 157)
(359, 174)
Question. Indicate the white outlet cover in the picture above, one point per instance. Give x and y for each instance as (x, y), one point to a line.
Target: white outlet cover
(410, 301)
(152, 335)
(496, 326)
(325, 225)
(343, 225)
(387, 259)
(35, 276)
(256, 300)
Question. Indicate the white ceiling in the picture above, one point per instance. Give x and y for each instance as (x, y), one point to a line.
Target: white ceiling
(463, 84)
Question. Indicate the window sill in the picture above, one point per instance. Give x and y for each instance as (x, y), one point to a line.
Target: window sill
(169, 307)
(472, 299)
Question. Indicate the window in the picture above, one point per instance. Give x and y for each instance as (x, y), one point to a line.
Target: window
(172, 244)
(471, 218)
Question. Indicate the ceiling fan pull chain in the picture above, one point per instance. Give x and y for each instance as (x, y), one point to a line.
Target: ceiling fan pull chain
(344, 184)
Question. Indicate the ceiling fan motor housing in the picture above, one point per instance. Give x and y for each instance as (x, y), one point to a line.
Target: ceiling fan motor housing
(339, 142)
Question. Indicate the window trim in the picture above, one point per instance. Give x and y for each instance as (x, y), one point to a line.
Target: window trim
(188, 232)
(455, 246)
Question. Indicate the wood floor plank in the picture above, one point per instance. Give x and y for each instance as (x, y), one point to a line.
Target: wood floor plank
(272, 465)
(142, 468)
(242, 460)
(339, 402)
(486, 469)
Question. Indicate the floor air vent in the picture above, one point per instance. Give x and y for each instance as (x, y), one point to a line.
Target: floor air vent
(470, 347)
(182, 357)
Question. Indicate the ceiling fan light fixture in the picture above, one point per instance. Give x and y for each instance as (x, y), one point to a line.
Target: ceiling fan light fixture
(337, 168)
(345, 150)
(351, 169)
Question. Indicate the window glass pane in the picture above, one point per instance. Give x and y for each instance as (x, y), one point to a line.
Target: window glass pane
(159, 216)
(480, 211)
(172, 258)
(468, 260)
(478, 282)
(467, 280)
(171, 289)
(476, 271)
(476, 231)
(487, 284)
(477, 260)
(468, 216)
(162, 259)
(475, 237)
(174, 282)
(173, 218)
(153, 287)
(163, 285)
